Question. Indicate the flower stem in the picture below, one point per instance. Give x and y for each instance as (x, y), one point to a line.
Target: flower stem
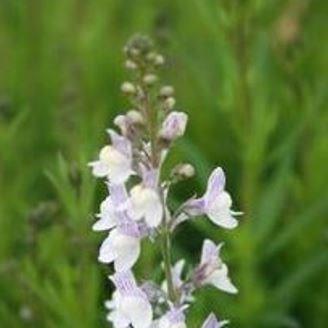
(155, 159)
(166, 252)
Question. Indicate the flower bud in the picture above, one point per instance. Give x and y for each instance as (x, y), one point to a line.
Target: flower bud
(130, 64)
(26, 313)
(159, 60)
(135, 52)
(184, 171)
(169, 103)
(150, 79)
(174, 126)
(128, 88)
(135, 117)
(166, 91)
(151, 56)
(121, 122)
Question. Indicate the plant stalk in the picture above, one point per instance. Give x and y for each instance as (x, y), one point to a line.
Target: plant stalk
(165, 231)
(166, 252)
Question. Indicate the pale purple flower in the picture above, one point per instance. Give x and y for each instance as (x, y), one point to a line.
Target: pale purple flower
(145, 201)
(154, 292)
(212, 322)
(174, 318)
(174, 126)
(130, 305)
(212, 270)
(115, 316)
(216, 202)
(176, 272)
(115, 161)
(116, 202)
(122, 246)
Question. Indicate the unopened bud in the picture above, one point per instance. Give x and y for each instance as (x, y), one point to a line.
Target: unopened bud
(134, 52)
(130, 64)
(174, 126)
(159, 60)
(151, 56)
(150, 79)
(135, 117)
(26, 313)
(120, 121)
(128, 88)
(166, 91)
(169, 103)
(184, 171)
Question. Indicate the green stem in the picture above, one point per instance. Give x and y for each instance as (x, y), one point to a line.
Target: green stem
(165, 231)
(166, 252)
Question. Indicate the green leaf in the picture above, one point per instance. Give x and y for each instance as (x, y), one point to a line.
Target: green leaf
(289, 287)
(271, 203)
(296, 226)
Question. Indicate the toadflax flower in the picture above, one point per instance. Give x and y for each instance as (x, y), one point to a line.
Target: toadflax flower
(174, 126)
(115, 161)
(174, 318)
(139, 204)
(109, 208)
(211, 270)
(216, 202)
(212, 322)
(122, 246)
(130, 305)
(145, 200)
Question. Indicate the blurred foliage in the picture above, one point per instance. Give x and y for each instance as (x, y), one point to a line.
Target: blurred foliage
(253, 77)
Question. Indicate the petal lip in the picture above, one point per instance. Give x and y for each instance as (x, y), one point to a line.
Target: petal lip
(210, 252)
(212, 322)
(103, 225)
(139, 311)
(128, 255)
(221, 280)
(120, 143)
(224, 221)
(216, 184)
(107, 253)
(99, 169)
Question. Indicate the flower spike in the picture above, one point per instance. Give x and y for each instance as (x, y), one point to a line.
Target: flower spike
(138, 204)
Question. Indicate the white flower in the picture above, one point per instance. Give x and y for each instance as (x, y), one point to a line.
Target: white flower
(212, 322)
(216, 202)
(145, 201)
(122, 246)
(115, 160)
(174, 125)
(212, 270)
(130, 305)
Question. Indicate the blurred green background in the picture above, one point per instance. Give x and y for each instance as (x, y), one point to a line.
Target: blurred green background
(253, 77)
